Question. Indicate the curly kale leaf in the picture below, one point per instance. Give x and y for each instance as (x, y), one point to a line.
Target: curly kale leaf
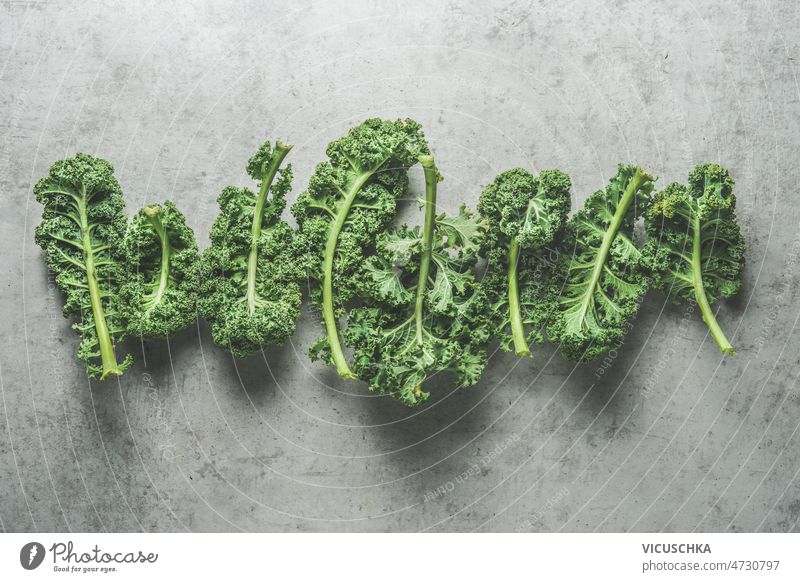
(696, 248)
(605, 271)
(524, 214)
(159, 296)
(250, 292)
(423, 312)
(81, 232)
(350, 199)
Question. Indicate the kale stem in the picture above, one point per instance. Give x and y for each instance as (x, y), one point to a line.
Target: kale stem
(700, 292)
(328, 313)
(431, 180)
(517, 329)
(153, 214)
(281, 149)
(107, 356)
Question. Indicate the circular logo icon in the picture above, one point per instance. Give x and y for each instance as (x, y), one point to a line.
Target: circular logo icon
(31, 555)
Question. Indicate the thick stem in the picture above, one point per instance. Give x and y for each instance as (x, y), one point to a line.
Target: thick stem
(281, 149)
(107, 357)
(611, 233)
(517, 329)
(328, 314)
(431, 180)
(153, 214)
(700, 292)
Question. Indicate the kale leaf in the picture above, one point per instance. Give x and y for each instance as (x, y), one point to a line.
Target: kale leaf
(605, 272)
(159, 296)
(350, 199)
(250, 292)
(423, 312)
(696, 248)
(82, 229)
(524, 214)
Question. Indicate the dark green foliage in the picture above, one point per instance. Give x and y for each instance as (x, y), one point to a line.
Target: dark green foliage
(250, 292)
(423, 311)
(529, 209)
(605, 272)
(350, 199)
(159, 296)
(696, 248)
(524, 214)
(415, 308)
(81, 232)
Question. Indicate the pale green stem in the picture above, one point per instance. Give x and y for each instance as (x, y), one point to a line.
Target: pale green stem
(153, 214)
(700, 293)
(431, 181)
(517, 329)
(107, 357)
(328, 314)
(281, 149)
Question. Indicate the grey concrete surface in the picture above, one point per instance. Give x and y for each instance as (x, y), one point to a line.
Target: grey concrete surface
(670, 436)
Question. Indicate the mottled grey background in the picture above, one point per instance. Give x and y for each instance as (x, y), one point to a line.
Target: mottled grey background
(670, 436)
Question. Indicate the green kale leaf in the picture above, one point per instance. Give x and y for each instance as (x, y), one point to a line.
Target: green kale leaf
(524, 214)
(606, 275)
(159, 296)
(423, 312)
(250, 292)
(82, 230)
(350, 199)
(696, 248)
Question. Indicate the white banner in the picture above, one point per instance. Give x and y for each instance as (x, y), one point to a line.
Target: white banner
(401, 557)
